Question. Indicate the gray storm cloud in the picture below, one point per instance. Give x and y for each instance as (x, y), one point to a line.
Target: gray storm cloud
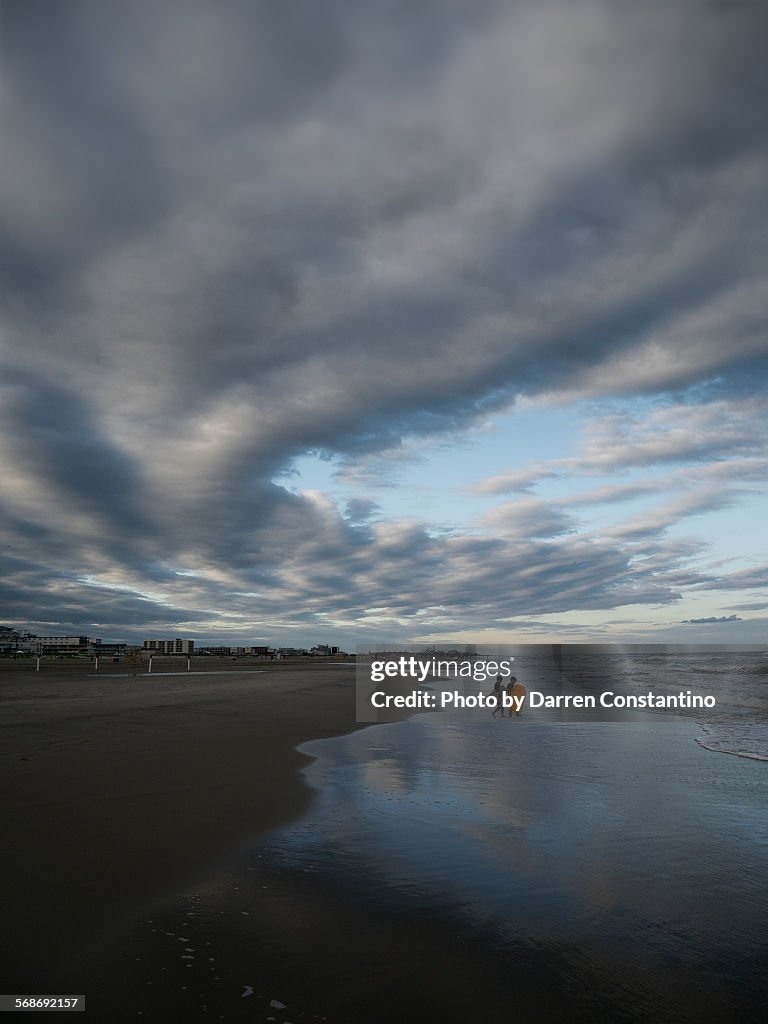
(232, 234)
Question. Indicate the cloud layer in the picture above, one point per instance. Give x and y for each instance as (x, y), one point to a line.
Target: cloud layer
(233, 234)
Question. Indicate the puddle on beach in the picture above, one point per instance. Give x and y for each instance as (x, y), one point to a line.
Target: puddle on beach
(462, 867)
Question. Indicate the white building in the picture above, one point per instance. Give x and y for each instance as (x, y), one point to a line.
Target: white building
(177, 646)
(59, 644)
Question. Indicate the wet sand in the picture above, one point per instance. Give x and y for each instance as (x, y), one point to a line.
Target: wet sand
(455, 868)
(119, 790)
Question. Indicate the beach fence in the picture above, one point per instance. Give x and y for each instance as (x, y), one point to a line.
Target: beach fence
(131, 663)
(136, 658)
(152, 658)
(138, 663)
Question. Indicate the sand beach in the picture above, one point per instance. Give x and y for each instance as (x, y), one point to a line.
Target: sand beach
(171, 854)
(117, 789)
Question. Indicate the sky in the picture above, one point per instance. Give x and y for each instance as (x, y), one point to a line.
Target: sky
(383, 321)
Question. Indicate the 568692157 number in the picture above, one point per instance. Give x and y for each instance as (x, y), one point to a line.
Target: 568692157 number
(49, 1002)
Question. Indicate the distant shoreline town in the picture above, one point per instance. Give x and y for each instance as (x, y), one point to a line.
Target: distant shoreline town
(15, 643)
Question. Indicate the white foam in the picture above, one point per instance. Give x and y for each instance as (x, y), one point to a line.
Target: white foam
(742, 739)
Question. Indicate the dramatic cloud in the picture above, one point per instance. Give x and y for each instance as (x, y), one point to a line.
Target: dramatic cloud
(721, 438)
(234, 234)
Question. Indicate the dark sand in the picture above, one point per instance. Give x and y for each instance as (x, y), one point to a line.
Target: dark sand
(118, 791)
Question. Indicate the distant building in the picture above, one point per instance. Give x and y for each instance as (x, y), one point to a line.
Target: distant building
(59, 644)
(324, 650)
(223, 651)
(9, 640)
(177, 646)
(113, 648)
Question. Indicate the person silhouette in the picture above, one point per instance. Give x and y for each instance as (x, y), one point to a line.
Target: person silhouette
(518, 692)
(497, 692)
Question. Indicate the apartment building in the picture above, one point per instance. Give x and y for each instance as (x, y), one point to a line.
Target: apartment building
(177, 646)
(59, 644)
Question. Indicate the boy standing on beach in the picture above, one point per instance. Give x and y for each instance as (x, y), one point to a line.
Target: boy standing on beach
(497, 693)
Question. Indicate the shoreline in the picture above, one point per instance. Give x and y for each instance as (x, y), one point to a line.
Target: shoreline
(146, 818)
(367, 887)
(121, 791)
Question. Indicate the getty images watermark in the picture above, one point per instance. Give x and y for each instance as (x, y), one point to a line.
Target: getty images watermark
(569, 681)
(436, 670)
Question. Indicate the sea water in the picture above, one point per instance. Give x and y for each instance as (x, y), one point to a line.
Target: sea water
(550, 830)
(625, 841)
